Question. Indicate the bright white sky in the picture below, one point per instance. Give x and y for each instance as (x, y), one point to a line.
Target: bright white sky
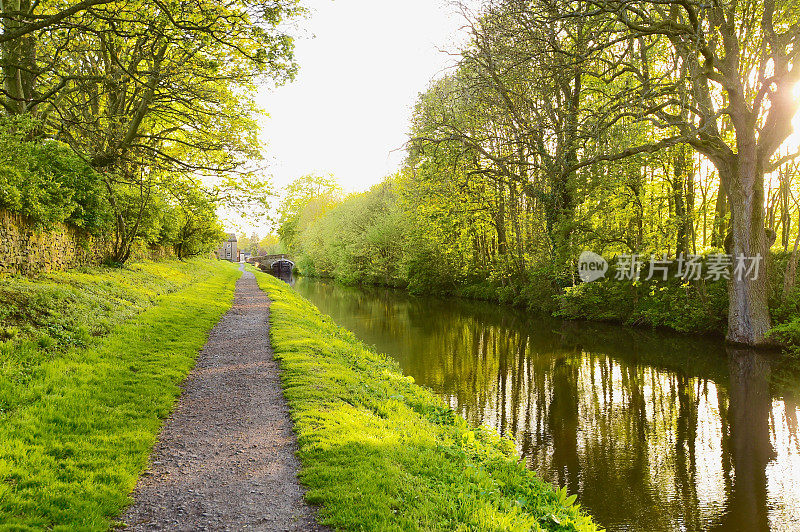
(362, 65)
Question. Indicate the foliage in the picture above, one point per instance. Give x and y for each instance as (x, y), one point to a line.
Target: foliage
(77, 423)
(152, 99)
(380, 452)
(190, 222)
(359, 240)
(305, 200)
(537, 293)
(46, 181)
(271, 245)
(788, 333)
(691, 307)
(257, 246)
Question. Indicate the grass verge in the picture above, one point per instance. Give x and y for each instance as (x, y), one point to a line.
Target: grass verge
(382, 453)
(68, 309)
(77, 423)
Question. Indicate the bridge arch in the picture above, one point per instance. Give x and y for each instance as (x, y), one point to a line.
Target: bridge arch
(278, 261)
(275, 264)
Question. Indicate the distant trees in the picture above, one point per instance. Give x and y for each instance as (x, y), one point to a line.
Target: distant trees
(257, 246)
(305, 200)
(253, 246)
(271, 245)
(361, 238)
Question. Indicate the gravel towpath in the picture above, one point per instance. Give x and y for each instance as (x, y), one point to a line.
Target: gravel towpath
(225, 458)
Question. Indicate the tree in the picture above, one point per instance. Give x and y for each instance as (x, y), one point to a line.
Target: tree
(22, 17)
(305, 200)
(718, 77)
(31, 77)
(254, 244)
(360, 239)
(271, 245)
(193, 217)
(156, 93)
(243, 242)
(522, 107)
(157, 102)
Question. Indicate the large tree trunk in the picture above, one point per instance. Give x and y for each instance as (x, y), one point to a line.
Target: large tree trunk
(681, 186)
(720, 229)
(748, 311)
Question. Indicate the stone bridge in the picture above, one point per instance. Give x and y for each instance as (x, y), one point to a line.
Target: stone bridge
(282, 264)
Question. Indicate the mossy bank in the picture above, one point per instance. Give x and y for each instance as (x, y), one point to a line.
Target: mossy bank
(382, 453)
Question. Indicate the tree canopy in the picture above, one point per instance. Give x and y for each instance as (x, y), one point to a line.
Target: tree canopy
(155, 98)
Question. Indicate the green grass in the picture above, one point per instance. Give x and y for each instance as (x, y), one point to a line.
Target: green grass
(379, 452)
(78, 421)
(65, 309)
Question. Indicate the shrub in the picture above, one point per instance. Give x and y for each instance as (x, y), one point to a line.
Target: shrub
(45, 181)
(692, 307)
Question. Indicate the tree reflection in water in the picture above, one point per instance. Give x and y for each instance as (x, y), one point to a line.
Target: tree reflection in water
(652, 431)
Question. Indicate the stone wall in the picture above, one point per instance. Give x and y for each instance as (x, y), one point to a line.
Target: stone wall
(25, 250)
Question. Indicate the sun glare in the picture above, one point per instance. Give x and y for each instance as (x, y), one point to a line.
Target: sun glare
(792, 143)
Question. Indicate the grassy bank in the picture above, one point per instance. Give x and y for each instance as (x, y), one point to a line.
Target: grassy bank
(90, 367)
(382, 453)
(68, 309)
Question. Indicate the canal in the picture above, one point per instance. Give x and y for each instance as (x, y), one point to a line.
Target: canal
(653, 431)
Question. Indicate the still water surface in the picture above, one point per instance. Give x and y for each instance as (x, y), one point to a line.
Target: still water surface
(653, 431)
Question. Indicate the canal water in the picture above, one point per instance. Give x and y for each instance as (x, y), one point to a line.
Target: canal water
(653, 431)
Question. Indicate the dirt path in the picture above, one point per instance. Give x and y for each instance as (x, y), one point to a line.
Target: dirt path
(225, 458)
